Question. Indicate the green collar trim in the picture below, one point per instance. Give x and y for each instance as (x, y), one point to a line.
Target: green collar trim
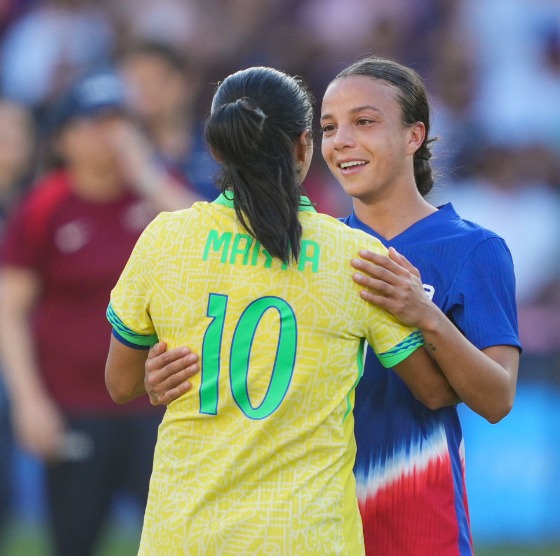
(304, 204)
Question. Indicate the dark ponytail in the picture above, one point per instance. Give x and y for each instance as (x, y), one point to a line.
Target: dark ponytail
(413, 99)
(423, 172)
(257, 117)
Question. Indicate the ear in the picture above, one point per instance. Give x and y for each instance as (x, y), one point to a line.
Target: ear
(416, 137)
(215, 155)
(302, 147)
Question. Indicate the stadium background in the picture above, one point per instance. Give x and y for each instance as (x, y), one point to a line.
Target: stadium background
(493, 70)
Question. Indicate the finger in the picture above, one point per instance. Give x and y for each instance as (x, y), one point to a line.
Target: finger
(372, 263)
(367, 267)
(167, 358)
(159, 372)
(170, 375)
(177, 371)
(393, 306)
(372, 256)
(374, 299)
(403, 261)
(372, 274)
(181, 378)
(172, 394)
(157, 349)
(174, 386)
(380, 286)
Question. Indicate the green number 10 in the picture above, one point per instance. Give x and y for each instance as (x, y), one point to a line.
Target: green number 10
(241, 345)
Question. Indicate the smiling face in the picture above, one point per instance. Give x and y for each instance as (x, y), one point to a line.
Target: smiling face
(365, 143)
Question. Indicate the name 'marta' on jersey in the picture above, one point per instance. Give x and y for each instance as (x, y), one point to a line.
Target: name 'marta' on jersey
(257, 457)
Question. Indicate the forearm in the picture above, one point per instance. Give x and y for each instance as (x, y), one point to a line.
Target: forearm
(426, 381)
(124, 372)
(17, 347)
(163, 190)
(19, 363)
(484, 384)
(143, 171)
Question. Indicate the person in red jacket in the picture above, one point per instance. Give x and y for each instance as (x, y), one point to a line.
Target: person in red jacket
(64, 247)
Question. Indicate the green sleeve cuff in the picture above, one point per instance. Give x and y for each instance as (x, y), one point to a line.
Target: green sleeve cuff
(402, 350)
(127, 334)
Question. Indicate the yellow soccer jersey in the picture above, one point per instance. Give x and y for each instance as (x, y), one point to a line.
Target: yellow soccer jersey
(257, 458)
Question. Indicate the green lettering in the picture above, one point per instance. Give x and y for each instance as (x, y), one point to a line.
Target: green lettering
(310, 253)
(217, 242)
(256, 251)
(268, 258)
(241, 246)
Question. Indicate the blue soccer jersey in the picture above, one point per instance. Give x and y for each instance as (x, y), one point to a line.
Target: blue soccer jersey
(410, 465)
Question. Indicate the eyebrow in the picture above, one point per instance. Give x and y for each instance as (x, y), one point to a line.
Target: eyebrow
(354, 110)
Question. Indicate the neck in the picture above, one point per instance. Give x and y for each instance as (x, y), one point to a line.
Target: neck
(389, 218)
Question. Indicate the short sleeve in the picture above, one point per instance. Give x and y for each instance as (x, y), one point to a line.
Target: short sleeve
(129, 307)
(390, 339)
(483, 302)
(402, 350)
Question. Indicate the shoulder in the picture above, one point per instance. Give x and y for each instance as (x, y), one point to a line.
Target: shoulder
(337, 230)
(185, 216)
(337, 243)
(450, 219)
(465, 233)
(40, 204)
(47, 192)
(482, 258)
(169, 226)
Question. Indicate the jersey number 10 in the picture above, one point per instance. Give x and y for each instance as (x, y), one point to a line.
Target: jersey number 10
(241, 345)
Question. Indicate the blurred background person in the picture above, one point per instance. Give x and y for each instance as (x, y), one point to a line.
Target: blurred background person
(17, 154)
(17, 147)
(64, 247)
(163, 88)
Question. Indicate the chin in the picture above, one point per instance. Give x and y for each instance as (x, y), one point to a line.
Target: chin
(354, 191)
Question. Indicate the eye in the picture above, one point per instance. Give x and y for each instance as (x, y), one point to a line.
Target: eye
(364, 121)
(327, 129)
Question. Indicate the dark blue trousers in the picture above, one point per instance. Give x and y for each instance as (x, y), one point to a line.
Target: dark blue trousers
(105, 456)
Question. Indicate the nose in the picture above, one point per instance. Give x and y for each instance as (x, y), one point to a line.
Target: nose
(343, 138)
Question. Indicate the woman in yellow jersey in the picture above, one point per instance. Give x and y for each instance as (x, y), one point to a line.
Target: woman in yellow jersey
(257, 457)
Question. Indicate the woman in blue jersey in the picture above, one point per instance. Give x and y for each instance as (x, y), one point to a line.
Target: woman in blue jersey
(410, 469)
(375, 123)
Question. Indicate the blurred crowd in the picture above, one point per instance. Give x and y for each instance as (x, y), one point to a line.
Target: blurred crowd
(492, 69)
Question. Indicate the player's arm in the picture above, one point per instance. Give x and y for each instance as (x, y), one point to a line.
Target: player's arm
(167, 373)
(37, 421)
(484, 379)
(426, 381)
(164, 375)
(132, 337)
(124, 371)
